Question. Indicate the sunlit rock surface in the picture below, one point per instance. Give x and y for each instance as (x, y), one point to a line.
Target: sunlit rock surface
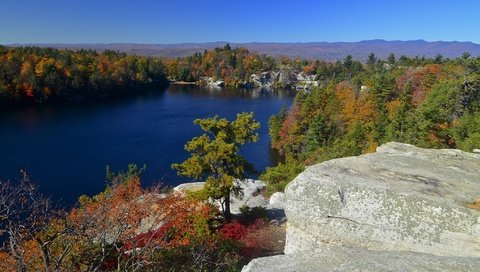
(399, 203)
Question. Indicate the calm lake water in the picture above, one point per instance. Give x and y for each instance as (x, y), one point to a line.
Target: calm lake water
(65, 148)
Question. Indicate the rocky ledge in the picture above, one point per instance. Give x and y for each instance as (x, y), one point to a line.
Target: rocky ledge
(402, 208)
(347, 259)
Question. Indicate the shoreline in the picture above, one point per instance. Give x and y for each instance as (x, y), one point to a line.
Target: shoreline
(174, 82)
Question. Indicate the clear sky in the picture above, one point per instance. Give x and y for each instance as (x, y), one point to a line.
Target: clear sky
(179, 21)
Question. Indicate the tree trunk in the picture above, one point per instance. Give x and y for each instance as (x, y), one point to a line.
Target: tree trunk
(226, 212)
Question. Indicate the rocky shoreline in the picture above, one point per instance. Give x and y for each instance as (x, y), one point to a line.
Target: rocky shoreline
(287, 79)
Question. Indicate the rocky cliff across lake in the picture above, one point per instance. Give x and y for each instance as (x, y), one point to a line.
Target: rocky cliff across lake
(402, 208)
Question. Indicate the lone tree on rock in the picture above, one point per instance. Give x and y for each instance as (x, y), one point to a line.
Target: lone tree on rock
(214, 156)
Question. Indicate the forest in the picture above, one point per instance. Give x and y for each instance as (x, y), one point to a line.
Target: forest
(33, 75)
(428, 102)
(233, 65)
(432, 103)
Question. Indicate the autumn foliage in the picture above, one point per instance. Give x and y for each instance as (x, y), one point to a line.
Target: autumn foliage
(124, 228)
(432, 103)
(40, 75)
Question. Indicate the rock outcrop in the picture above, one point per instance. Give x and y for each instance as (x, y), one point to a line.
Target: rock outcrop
(285, 78)
(252, 196)
(383, 209)
(346, 259)
(251, 193)
(211, 82)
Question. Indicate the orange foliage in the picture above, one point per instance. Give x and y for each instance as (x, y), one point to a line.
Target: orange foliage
(346, 96)
(26, 68)
(7, 262)
(146, 219)
(250, 63)
(443, 126)
(353, 108)
(366, 109)
(310, 69)
(28, 88)
(32, 255)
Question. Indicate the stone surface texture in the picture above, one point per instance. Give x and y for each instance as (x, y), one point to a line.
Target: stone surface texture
(400, 198)
(346, 259)
(277, 200)
(402, 208)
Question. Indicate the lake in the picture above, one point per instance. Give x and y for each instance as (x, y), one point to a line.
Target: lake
(65, 148)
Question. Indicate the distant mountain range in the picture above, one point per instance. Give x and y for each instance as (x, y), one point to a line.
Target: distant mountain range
(311, 50)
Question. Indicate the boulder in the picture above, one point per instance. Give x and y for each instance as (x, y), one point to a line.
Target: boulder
(346, 259)
(277, 200)
(401, 198)
(189, 187)
(402, 208)
(251, 193)
(276, 208)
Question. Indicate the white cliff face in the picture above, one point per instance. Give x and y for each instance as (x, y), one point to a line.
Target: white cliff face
(290, 78)
(383, 209)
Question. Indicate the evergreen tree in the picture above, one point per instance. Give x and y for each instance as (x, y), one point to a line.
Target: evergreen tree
(215, 158)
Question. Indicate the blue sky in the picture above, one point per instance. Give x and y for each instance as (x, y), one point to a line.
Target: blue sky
(178, 21)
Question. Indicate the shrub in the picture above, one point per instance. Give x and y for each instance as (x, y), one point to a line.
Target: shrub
(249, 214)
(279, 176)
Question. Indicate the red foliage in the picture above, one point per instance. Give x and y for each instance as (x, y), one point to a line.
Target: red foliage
(287, 130)
(234, 230)
(108, 265)
(422, 79)
(155, 237)
(254, 238)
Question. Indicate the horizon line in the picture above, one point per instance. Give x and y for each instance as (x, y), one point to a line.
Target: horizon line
(225, 42)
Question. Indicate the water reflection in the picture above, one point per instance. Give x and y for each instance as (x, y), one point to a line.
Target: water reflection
(194, 90)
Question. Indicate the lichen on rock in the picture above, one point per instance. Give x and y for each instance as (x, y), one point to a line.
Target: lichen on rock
(402, 200)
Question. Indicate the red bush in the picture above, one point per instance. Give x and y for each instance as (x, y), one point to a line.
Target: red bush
(234, 230)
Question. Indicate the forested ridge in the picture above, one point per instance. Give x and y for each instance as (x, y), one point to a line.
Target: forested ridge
(233, 65)
(39, 75)
(432, 103)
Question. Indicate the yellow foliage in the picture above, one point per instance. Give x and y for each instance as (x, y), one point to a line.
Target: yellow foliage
(372, 147)
(443, 125)
(353, 108)
(392, 107)
(346, 96)
(43, 65)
